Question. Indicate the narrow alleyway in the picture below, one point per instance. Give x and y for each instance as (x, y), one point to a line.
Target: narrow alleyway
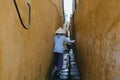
(70, 70)
(27, 30)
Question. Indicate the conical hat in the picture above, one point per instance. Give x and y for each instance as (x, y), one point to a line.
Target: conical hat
(60, 30)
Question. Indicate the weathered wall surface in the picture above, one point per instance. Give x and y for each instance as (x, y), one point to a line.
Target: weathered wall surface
(97, 29)
(27, 54)
(77, 1)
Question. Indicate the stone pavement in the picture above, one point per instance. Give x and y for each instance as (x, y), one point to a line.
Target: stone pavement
(70, 69)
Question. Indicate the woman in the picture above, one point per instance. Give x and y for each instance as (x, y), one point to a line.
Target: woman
(59, 40)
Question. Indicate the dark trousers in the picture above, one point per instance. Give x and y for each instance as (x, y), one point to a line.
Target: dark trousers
(59, 60)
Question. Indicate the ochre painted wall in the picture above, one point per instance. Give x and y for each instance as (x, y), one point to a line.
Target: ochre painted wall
(97, 34)
(27, 54)
(77, 1)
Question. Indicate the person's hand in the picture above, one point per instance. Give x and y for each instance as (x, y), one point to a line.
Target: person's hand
(73, 40)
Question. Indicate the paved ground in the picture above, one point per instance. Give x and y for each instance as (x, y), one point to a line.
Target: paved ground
(70, 69)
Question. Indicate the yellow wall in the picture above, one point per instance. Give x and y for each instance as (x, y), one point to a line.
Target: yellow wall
(27, 54)
(97, 34)
(77, 1)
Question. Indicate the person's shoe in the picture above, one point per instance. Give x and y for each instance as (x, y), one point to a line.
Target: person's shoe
(57, 76)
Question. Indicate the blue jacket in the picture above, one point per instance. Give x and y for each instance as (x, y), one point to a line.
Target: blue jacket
(59, 43)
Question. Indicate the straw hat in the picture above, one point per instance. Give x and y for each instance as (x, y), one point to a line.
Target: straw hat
(60, 30)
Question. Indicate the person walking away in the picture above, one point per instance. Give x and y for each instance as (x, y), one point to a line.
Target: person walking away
(59, 48)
